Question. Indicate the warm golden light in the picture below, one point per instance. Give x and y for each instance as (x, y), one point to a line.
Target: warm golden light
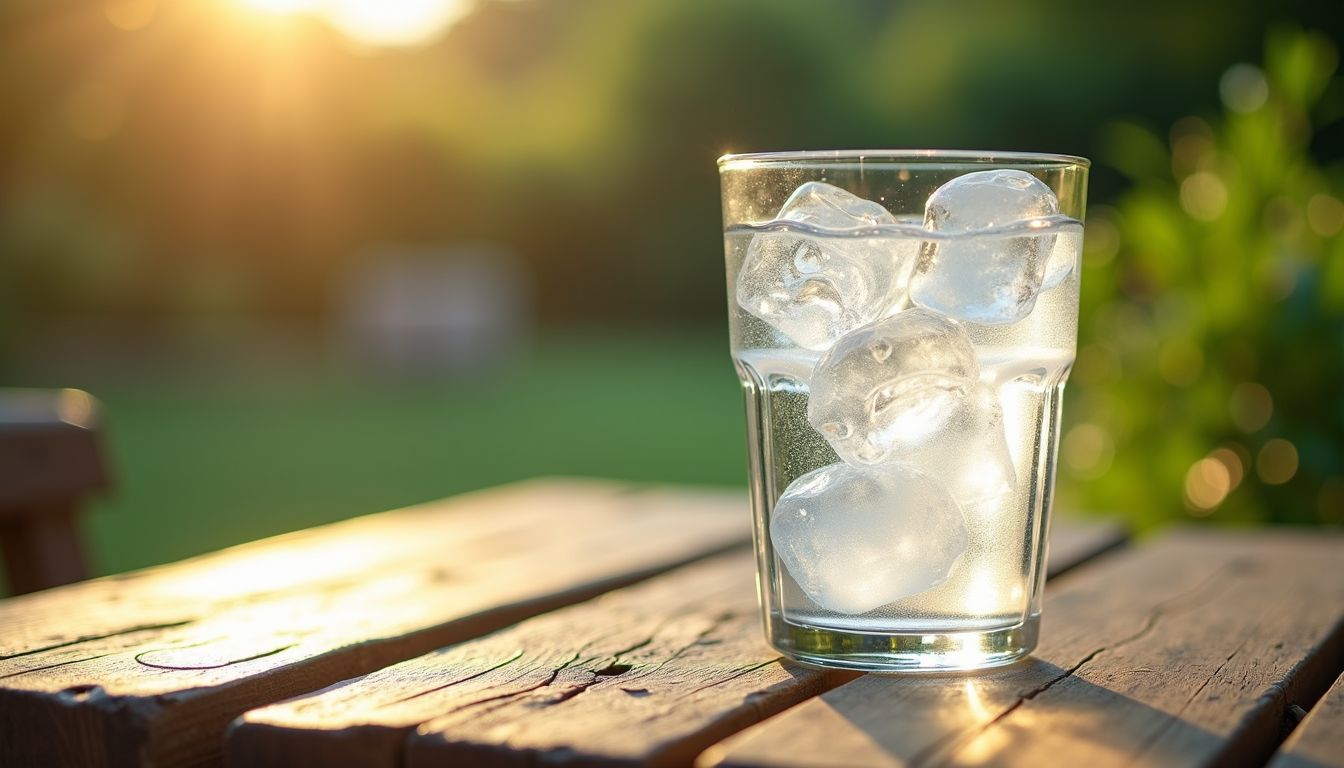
(376, 22)
(283, 6)
(1207, 483)
(393, 22)
(75, 406)
(968, 651)
(130, 15)
(976, 702)
(1232, 460)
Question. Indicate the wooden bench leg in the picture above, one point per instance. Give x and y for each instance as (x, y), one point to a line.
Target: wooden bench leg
(42, 547)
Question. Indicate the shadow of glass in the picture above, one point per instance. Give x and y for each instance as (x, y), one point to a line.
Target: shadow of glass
(1029, 713)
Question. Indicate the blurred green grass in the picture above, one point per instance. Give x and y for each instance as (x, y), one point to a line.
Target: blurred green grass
(208, 459)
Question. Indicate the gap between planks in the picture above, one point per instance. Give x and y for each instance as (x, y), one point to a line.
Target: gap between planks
(1318, 740)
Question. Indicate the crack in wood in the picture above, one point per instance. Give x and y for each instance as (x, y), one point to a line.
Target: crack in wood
(571, 693)
(221, 665)
(555, 674)
(54, 666)
(104, 636)
(741, 672)
(699, 639)
(642, 643)
(653, 635)
(458, 681)
(615, 668)
(609, 667)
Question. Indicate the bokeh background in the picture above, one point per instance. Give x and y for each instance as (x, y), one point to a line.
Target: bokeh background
(319, 258)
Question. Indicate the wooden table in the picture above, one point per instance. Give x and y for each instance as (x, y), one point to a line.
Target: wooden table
(572, 622)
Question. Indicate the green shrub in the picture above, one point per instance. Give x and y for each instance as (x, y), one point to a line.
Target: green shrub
(1210, 373)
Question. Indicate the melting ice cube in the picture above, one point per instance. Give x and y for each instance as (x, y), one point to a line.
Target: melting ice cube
(990, 279)
(906, 390)
(813, 287)
(969, 454)
(901, 375)
(1063, 258)
(855, 539)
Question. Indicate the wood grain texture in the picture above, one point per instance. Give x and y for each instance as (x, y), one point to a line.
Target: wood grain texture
(148, 668)
(652, 674)
(1187, 651)
(1318, 741)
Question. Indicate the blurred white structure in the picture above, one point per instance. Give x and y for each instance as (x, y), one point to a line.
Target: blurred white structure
(429, 311)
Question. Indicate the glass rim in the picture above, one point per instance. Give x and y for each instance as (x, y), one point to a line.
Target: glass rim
(968, 157)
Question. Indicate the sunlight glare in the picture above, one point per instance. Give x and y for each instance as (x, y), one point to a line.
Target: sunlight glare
(392, 22)
(283, 6)
(982, 593)
(378, 23)
(976, 703)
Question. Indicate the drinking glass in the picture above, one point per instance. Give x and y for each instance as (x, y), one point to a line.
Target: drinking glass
(903, 323)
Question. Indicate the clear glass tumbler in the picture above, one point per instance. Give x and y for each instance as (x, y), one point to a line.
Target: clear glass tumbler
(903, 323)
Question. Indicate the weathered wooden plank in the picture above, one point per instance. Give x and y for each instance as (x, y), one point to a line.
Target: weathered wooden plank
(149, 668)
(1188, 651)
(1318, 741)
(651, 674)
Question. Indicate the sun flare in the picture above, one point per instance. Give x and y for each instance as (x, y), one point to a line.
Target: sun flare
(283, 6)
(383, 23)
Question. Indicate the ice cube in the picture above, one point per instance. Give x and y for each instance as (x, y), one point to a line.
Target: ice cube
(990, 279)
(969, 454)
(855, 540)
(1063, 258)
(814, 289)
(901, 375)
(906, 390)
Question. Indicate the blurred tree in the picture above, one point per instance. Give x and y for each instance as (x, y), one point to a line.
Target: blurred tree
(1210, 374)
(203, 161)
(196, 144)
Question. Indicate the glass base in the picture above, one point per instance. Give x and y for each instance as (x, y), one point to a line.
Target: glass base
(902, 652)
